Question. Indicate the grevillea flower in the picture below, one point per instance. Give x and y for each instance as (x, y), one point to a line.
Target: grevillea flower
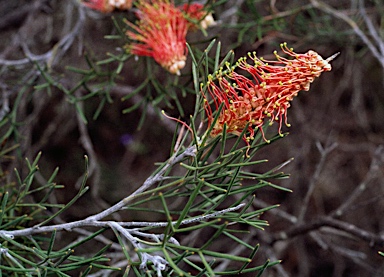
(247, 102)
(160, 33)
(196, 12)
(107, 6)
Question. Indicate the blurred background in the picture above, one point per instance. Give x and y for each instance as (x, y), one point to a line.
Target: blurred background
(331, 224)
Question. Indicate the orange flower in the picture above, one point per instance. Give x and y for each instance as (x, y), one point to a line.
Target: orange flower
(267, 94)
(161, 34)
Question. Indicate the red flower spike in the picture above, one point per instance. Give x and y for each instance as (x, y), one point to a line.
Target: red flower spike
(267, 94)
(107, 6)
(161, 34)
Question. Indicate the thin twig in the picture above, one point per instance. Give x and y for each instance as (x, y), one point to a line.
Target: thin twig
(372, 30)
(276, 211)
(86, 142)
(56, 52)
(328, 9)
(324, 154)
(106, 224)
(374, 169)
(304, 228)
(4, 101)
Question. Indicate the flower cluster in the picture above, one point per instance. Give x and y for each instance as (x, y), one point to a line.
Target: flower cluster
(161, 34)
(162, 29)
(266, 94)
(107, 6)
